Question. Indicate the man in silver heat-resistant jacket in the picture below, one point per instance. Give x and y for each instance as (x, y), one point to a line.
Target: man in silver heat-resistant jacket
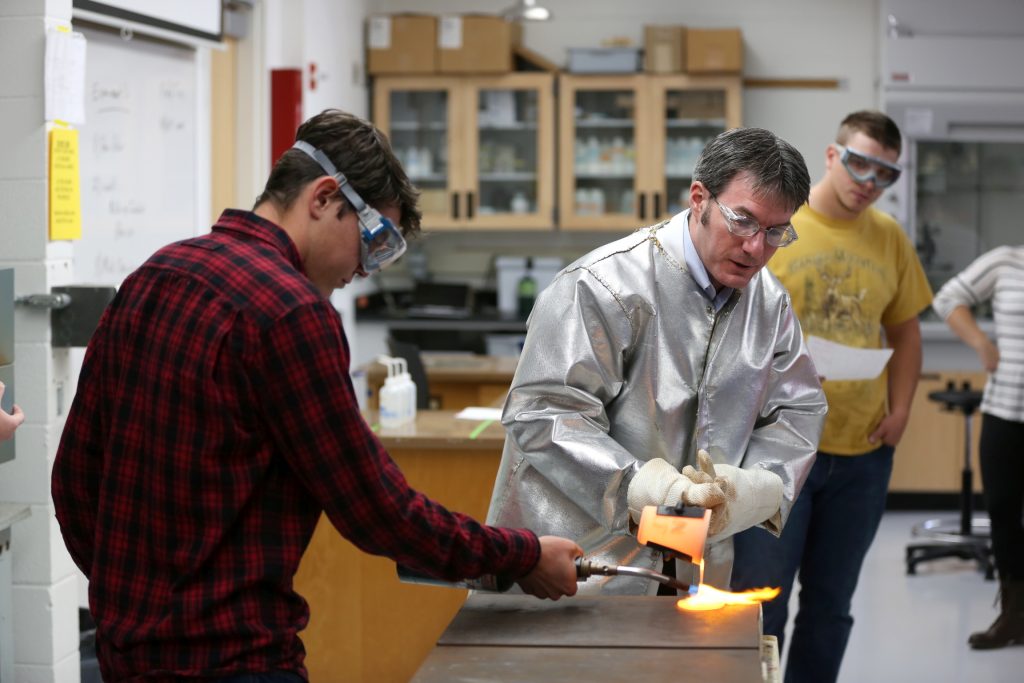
(665, 343)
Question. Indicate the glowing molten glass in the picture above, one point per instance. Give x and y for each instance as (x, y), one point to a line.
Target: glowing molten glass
(709, 598)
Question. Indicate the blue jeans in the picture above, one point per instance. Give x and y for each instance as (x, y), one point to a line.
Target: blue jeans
(826, 537)
(271, 677)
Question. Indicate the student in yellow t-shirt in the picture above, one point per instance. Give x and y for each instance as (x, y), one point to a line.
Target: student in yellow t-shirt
(852, 275)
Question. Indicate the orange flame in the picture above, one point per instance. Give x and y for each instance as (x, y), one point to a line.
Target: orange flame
(709, 598)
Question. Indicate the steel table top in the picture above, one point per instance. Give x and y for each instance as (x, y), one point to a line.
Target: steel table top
(601, 638)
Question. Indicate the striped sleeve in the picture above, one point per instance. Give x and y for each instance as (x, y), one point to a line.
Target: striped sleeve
(974, 284)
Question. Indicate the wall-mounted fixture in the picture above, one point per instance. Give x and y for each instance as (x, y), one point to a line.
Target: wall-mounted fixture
(526, 10)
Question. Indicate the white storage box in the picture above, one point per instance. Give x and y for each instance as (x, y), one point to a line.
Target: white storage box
(504, 344)
(509, 270)
(545, 268)
(605, 60)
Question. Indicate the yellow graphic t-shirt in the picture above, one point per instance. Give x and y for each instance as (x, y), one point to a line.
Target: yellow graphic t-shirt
(846, 280)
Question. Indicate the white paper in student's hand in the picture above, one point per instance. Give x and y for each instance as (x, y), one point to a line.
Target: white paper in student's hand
(840, 362)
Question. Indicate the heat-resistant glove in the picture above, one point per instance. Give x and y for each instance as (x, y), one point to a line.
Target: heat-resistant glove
(752, 496)
(658, 483)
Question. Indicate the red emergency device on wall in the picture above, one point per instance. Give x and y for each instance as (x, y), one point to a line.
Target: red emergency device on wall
(285, 110)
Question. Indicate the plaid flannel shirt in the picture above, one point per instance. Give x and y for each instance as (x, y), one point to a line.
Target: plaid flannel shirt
(214, 420)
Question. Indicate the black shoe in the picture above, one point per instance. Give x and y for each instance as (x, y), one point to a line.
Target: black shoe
(1008, 628)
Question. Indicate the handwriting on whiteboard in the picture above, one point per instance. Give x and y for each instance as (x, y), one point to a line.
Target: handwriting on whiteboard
(139, 154)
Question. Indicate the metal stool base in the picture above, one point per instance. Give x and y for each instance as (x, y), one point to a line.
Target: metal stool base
(966, 538)
(942, 538)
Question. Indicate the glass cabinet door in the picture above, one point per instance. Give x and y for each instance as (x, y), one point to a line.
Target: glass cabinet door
(969, 197)
(690, 113)
(513, 162)
(692, 119)
(600, 141)
(629, 144)
(419, 120)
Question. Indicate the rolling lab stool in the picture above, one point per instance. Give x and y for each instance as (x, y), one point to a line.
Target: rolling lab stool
(943, 537)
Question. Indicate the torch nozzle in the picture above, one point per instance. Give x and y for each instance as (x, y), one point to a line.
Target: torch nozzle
(586, 568)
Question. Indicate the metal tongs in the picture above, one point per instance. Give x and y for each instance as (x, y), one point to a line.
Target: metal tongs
(586, 568)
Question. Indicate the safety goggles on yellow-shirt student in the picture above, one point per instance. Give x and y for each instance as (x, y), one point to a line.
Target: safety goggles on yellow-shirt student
(864, 167)
(381, 242)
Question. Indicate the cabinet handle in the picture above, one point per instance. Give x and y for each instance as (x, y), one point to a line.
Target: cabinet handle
(643, 206)
(469, 206)
(657, 205)
(455, 205)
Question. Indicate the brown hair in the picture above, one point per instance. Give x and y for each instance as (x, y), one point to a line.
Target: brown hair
(875, 125)
(357, 149)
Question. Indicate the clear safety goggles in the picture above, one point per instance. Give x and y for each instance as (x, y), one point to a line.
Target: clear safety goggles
(745, 226)
(381, 242)
(864, 167)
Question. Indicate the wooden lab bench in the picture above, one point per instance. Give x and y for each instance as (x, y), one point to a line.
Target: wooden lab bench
(366, 625)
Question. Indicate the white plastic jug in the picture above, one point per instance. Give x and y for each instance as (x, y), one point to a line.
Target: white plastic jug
(396, 409)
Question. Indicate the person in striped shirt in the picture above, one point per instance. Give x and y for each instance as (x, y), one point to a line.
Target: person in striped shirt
(998, 275)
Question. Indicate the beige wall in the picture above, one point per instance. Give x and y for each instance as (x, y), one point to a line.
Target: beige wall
(223, 114)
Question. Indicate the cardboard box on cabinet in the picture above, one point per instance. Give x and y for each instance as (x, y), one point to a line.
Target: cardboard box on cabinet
(401, 44)
(714, 51)
(664, 49)
(476, 43)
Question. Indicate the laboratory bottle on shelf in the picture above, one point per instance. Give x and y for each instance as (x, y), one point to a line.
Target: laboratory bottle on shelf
(580, 154)
(619, 163)
(412, 162)
(426, 161)
(526, 290)
(593, 155)
(627, 202)
(583, 207)
(520, 204)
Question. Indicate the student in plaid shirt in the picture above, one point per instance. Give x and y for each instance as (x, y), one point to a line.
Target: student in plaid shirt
(214, 420)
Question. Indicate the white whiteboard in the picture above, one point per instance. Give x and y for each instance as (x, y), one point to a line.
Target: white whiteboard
(140, 165)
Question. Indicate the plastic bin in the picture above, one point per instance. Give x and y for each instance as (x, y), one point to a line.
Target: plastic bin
(504, 344)
(605, 60)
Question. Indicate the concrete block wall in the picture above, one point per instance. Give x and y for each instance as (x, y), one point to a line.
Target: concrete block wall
(45, 586)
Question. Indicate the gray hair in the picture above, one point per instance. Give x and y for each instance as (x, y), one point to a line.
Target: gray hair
(776, 167)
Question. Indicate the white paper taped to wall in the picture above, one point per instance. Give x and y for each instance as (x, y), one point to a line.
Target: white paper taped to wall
(379, 34)
(64, 73)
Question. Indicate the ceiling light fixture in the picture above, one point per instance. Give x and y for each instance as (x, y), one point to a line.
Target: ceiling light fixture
(526, 10)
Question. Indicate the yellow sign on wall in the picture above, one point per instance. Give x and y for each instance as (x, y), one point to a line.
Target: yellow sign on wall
(65, 187)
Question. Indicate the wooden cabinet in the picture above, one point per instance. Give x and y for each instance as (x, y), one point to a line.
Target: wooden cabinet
(628, 144)
(480, 149)
(930, 457)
